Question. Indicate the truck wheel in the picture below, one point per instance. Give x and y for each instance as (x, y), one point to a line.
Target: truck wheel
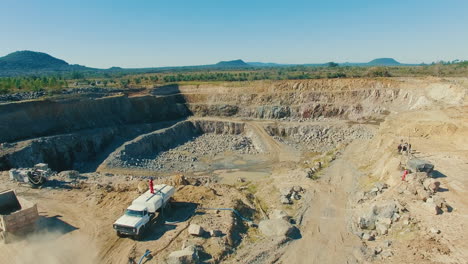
(141, 233)
(138, 237)
(119, 234)
(4, 237)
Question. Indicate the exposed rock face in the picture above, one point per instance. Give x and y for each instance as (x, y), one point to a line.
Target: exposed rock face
(45, 118)
(63, 152)
(67, 133)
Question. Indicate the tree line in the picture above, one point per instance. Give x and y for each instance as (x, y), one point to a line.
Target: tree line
(32, 83)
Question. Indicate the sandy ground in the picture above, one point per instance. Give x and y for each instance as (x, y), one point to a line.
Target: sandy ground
(326, 237)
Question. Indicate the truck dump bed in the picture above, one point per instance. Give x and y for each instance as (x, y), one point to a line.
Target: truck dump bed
(418, 165)
(17, 216)
(154, 201)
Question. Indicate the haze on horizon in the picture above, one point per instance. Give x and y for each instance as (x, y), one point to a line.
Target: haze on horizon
(137, 34)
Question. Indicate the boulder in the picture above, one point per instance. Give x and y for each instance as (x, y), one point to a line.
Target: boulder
(142, 186)
(279, 214)
(412, 188)
(276, 228)
(439, 201)
(215, 233)
(395, 217)
(387, 253)
(385, 221)
(433, 208)
(431, 185)
(417, 177)
(367, 237)
(285, 200)
(69, 174)
(297, 189)
(423, 195)
(367, 222)
(380, 186)
(296, 196)
(377, 250)
(179, 179)
(381, 229)
(386, 210)
(286, 191)
(188, 255)
(195, 230)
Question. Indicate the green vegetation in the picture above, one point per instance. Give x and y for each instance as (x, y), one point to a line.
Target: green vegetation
(34, 71)
(31, 84)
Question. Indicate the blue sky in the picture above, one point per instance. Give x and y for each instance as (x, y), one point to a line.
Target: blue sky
(139, 33)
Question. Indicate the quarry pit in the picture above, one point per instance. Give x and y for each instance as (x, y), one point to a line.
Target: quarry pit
(239, 145)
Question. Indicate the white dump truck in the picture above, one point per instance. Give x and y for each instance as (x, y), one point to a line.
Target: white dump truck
(17, 216)
(139, 214)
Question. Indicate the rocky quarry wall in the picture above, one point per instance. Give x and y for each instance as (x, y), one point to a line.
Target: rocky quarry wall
(25, 120)
(69, 132)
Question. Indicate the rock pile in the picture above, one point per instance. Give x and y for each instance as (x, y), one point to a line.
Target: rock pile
(379, 219)
(287, 195)
(91, 91)
(186, 156)
(311, 172)
(319, 138)
(424, 188)
(21, 96)
(379, 188)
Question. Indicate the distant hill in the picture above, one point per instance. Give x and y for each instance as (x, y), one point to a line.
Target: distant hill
(231, 64)
(32, 62)
(265, 64)
(384, 62)
(26, 62)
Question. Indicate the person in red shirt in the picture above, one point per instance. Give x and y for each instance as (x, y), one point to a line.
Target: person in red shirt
(404, 175)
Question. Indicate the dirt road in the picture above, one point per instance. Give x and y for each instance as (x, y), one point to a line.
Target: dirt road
(324, 224)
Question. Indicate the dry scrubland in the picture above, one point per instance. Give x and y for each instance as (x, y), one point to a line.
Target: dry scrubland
(254, 147)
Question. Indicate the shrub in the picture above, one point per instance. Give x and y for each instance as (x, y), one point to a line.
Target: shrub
(378, 72)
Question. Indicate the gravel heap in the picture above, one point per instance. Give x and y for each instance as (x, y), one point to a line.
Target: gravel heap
(21, 96)
(323, 138)
(186, 157)
(91, 91)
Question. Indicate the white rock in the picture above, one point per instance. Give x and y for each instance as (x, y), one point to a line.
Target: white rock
(276, 228)
(195, 230)
(188, 255)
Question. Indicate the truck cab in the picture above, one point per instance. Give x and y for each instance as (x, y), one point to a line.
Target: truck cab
(133, 222)
(139, 214)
